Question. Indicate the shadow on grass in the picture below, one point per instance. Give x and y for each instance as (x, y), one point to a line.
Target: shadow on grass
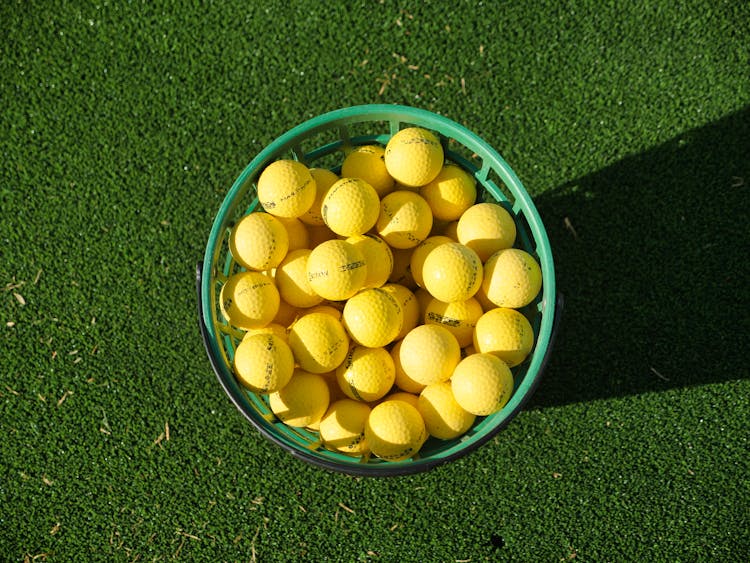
(652, 257)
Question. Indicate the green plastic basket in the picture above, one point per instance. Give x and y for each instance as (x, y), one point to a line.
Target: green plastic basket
(322, 142)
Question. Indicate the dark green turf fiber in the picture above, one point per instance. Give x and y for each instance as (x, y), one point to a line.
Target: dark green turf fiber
(124, 124)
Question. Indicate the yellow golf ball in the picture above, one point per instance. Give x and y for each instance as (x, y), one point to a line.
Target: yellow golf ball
(395, 430)
(482, 384)
(259, 241)
(429, 353)
(319, 342)
(405, 219)
(249, 300)
(263, 363)
(414, 156)
(506, 333)
(378, 258)
(291, 279)
(373, 317)
(451, 193)
(366, 374)
(486, 228)
(444, 418)
(512, 278)
(301, 402)
(350, 207)
(286, 188)
(336, 270)
(343, 427)
(459, 317)
(368, 163)
(452, 272)
(324, 179)
(420, 255)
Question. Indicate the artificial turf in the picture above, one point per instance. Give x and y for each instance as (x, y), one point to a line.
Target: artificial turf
(123, 126)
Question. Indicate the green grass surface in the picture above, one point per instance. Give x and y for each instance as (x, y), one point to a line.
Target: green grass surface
(123, 126)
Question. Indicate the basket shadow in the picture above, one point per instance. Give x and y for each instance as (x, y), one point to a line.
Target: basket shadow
(651, 256)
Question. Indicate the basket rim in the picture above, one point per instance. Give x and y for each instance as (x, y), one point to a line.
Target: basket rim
(395, 115)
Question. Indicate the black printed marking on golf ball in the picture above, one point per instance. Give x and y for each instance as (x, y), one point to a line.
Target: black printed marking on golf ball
(441, 319)
(500, 396)
(268, 204)
(270, 251)
(315, 275)
(473, 277)
(354, 390)
(267, 378)
(356, 441)
(389, 296)
(349, 359)
(420, 141)
(333, 348)
(296, 191)
(351, 266)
